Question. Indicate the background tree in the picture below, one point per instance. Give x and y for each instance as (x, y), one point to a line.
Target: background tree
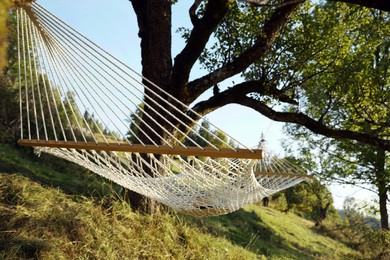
(350, 163)
(360, 229)
(9, 98)
(311, 200)
(5, 5)
(354, 95)
(205, 134)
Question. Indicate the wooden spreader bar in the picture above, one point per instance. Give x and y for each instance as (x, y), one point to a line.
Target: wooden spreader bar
(138, 148)
(284, 175)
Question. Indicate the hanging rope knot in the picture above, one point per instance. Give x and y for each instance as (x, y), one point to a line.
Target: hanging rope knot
(38, 151)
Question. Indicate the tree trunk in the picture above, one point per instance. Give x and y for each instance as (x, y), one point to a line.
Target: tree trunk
(383, 209)
(265, 202)
(382, 182)
(136, 200)
(154, 22)
(323, 214)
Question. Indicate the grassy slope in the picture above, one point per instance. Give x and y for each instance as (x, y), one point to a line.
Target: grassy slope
(67, 176)
(277, 235)
(43, 222)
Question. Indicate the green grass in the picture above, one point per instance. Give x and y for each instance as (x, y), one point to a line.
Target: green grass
(276, 235)
(44, 223)
(53, 171)
(49, 210)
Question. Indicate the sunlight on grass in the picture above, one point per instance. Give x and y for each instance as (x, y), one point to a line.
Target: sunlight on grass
(298, 235)
(45, 223)
(54, 172)
(276, 235)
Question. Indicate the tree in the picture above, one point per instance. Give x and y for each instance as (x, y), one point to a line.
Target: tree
(5, 5)
(311, 200)
(349, 162)
(377, 4)
(249, 41)
(353, 95)
(10, 115)
(134, 121)
(204, 135)
(247, 36)
(9, 98)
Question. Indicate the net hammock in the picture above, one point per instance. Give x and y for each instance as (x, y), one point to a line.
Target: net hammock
(80, 103)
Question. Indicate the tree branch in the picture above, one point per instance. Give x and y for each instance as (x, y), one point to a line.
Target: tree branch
(265, 3)
(238, 95)
(192, 12)
(383, 5)
(270, 30)
(200, 34)
(239, 92)
(315, 126)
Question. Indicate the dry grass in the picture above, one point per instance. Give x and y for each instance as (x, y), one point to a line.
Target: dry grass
(44, 223)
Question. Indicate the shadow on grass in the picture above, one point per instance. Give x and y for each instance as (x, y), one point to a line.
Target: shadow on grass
(25, 232)
(16, 248)
(246, 229)
(54, 172)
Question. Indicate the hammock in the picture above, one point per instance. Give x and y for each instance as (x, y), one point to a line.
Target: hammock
(80, 103)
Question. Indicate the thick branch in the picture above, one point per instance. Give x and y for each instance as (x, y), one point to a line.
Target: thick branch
(239, 92)
(234, 96)
(376, 4)
(266, 3)
(192, 12)
(270, 30)
(315, 126)
(200, 34)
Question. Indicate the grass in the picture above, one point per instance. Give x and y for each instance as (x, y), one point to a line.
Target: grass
(276, 235)
(53, 171)
(51, 209)
(44, 223)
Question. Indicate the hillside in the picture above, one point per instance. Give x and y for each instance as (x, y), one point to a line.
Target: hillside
(38, 221)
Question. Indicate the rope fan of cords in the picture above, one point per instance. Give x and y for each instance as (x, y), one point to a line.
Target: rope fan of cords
(80, 103)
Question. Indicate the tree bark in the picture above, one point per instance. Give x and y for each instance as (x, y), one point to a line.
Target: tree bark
(323, 214)
(154, 22)
(382, 182)
(265, 202)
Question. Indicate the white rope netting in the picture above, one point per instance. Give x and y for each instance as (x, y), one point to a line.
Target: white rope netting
(76, 100)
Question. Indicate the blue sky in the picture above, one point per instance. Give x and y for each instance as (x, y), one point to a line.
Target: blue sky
(113, 26)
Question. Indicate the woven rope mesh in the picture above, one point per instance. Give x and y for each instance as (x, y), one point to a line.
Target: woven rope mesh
(72, 91)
